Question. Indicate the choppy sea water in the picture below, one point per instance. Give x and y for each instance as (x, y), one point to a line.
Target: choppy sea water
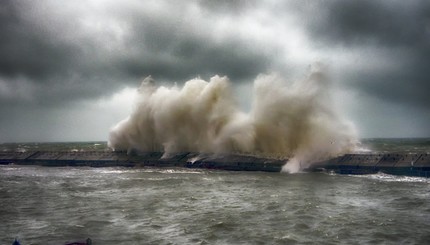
(50, 205)
(53, 205)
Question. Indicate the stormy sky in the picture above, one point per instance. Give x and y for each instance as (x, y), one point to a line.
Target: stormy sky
(69, 69)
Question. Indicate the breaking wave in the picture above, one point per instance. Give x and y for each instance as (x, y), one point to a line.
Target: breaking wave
(296, 122)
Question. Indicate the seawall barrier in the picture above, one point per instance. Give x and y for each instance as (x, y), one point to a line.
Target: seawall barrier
(413, 164)
(143, 159)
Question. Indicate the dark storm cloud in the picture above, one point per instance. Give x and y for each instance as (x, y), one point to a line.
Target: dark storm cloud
(35, 56)
(60, 55)
(401, 29)
(169, 48)
(410, 86)
(26, 49)
(228, 6)
(62, 61)
(387, 23)
(185, 59)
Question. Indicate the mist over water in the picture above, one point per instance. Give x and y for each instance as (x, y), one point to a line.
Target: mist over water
(291, 121)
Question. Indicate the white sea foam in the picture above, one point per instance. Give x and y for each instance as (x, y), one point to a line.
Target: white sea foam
(296, 122)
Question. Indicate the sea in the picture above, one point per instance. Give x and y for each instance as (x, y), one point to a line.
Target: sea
(60, 205)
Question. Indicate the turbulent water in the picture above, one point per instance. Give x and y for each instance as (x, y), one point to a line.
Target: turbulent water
(43, 205)
(50, 205)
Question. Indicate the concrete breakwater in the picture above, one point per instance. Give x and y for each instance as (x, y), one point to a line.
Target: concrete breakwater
(412, 164)
(417, 164)
(155, 159)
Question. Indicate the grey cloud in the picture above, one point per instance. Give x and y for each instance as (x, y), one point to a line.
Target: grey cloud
(227, 6)
(167, 47)
(47, 67)
(28, 50)
(388, 23)
(397, 87)
(55, 54)
(400, 28)
(66, 63)
(189, 58)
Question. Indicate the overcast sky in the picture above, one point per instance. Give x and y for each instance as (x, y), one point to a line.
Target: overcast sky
(68, 69)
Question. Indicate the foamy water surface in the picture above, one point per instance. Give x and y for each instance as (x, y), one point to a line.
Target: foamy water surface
(43, 205)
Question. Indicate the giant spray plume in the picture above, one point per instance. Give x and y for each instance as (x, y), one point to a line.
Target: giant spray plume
(296, 122)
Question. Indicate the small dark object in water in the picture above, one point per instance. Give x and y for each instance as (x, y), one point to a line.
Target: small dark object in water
(16, 242)
(87, 242)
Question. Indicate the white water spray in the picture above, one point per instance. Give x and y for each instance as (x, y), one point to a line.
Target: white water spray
(295, 122)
